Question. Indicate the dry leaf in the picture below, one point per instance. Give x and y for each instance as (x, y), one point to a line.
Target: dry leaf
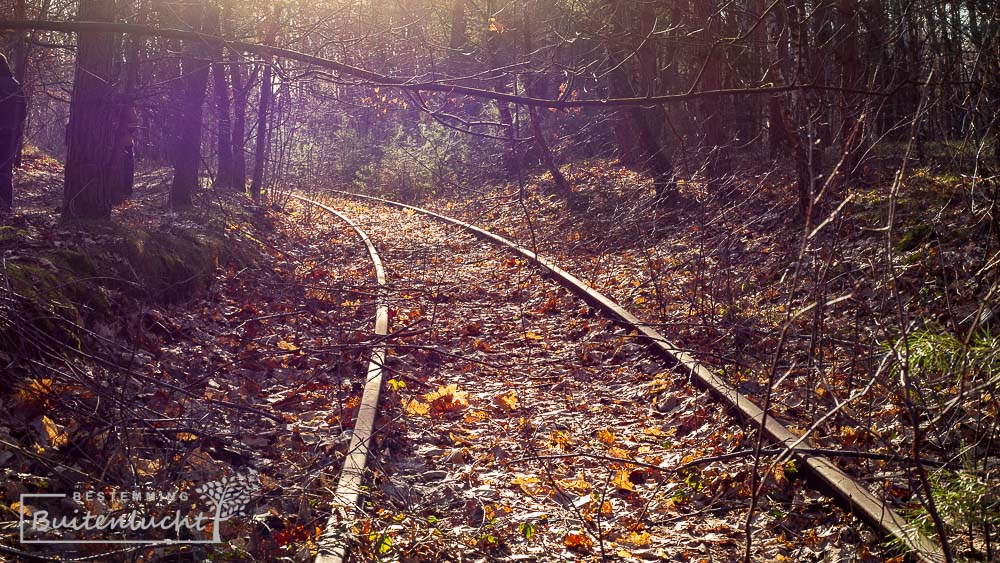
(448, 398)
(54, 434)
(576, 484)
(615, 451)
(622, 482)
(606, 436)
(639, 539)
(417, 408)
(506, 400)
(779, 474)
(532, 335)
(525, 482)
(288, 346)
(578, 542)
(148, 467)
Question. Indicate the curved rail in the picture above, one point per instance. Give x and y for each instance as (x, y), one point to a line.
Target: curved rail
(841, 485)
(332, 543)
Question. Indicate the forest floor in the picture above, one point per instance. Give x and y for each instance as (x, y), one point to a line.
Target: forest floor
(733, 279)
(170, 348)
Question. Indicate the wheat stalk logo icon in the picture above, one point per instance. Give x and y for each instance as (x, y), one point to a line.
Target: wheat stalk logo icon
(229, 496)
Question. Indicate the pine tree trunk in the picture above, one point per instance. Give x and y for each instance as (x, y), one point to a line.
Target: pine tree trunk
(224, 175)
(713, 127)
(260, 149)
(90, 132)
(241, 92)
(21, 49)
(187, 154)
(637, 131)
(533, 88)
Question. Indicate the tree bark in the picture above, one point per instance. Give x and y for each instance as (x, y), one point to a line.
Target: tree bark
(532, 87)
(194, 71)
(716, 138)
(260, 149)
(224, 177)
(21, 49)
(90, 132)
(122, 172)
(241, 93)
(851, 128)
(778, 37)
(263, 106)
(637, 131)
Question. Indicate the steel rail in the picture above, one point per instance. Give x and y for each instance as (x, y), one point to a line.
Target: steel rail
(332, 543)
(838, 483)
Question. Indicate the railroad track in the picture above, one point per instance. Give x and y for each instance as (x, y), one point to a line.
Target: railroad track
(855, 497)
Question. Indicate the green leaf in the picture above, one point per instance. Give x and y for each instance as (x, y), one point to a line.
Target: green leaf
(384, 544)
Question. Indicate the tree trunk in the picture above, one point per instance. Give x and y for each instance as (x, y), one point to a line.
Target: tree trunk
(851, 132)
(263, 106)
(777, 45)
(224, 177)
(533, 88)
(122, 173)
(90, 132)
(458, 40)
(21, 49)
(241, 92)
(637, 131)
(194, 70)
(716, 138)
(260, 150)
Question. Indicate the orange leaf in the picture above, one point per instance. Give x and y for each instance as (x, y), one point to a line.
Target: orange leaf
(56, 435)
(639, 539)
(448, 398)
(621, 481)
(606, 436)
(417, 408)
(506, 400)
(578, 483)
(526, 483)
(578, 542)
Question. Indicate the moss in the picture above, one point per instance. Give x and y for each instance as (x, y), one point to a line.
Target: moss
(42, 300)
(176, 264)
(170, 265)
(914, 237)
(74, 262)
(103, 267)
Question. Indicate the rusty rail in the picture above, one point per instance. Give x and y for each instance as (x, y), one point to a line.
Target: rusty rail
(333, 541)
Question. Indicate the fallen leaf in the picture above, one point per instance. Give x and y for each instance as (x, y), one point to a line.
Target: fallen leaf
(578, 542)
(622, 482)
(576, 484)
(506, 400)
(53, 433)
(448, 398)
(417, 408)
(639, 539)
(606, 436)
